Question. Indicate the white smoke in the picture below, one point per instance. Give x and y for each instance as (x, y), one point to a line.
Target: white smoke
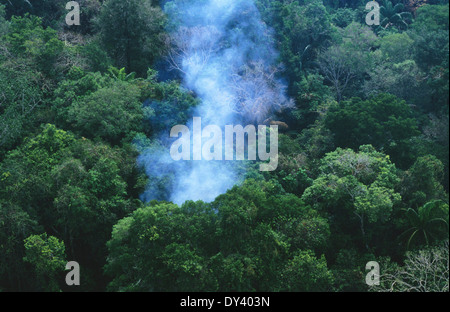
(225, 54)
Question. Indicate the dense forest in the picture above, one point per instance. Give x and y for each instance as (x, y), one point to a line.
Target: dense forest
(363, 166)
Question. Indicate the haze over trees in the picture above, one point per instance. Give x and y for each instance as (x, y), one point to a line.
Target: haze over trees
(363, 157)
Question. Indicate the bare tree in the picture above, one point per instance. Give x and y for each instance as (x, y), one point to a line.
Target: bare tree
(257, 92)
(344, 63)
(424, 271)
(252, 89)
(337, 67)
(192, 47)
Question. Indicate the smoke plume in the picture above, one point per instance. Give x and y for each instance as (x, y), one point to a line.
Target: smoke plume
(225, 54)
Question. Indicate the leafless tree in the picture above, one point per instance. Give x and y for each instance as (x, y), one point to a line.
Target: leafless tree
(336, 66)
(254, 91)
(257, 92)
(424, 271)
(192, 46)
(342, 64)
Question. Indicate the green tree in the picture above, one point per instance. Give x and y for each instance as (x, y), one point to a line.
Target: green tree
(343, 17)
(120, 74)
(77, 85)
(303, 28)
(168, 104)
(4, 25)
(306, 273)
(394, 15)
(240, 242)
(15, 226)
(28, 39)
(109, 113)
(422, 182)
(349, 270)
(312, 94)
(157, 243)
(397, 48)
(21, 101)
(132, 32)
(430, 32)
(357, 188)
(426, 224)
(75, 189)
(89, 11)
(432, 17)
(51, 11)
(404, 80)
(47, 255)
(292, 176)
(384, 121)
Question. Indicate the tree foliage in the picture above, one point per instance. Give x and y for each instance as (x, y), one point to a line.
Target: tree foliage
(363, 158)
(384, 121)
(132, 32)
(220, 246)
(46, 255)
